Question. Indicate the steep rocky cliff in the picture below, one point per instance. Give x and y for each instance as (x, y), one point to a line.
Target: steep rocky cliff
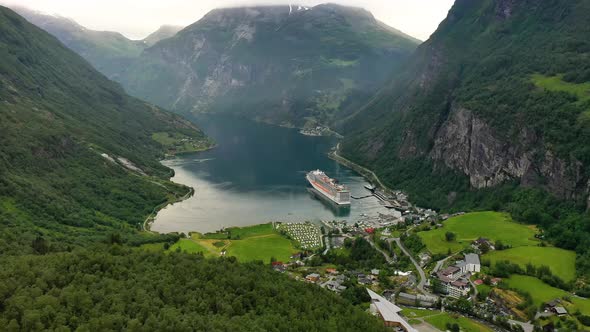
(467, 143)
(499, 94)
(288, 65)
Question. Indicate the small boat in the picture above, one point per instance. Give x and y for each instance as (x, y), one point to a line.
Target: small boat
(370, 187)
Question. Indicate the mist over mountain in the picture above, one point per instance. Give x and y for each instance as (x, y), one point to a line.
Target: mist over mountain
(287, 65)
(165, 31)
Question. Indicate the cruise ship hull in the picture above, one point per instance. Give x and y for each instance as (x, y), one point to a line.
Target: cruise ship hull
(325, 192)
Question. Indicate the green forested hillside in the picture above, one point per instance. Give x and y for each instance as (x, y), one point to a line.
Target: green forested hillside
(107, 51)
(491, 112)
(71, 207)
(58, 118)
(281, 64)
(135, 291)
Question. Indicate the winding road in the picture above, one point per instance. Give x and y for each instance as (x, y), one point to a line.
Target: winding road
(389, 259)
(422, 281)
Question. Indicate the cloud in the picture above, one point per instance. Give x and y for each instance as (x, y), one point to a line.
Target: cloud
(138, 18)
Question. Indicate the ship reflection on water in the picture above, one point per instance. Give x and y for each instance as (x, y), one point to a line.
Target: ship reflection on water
(338, 210)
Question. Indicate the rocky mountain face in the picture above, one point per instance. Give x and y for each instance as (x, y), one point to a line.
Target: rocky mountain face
(287, 65)
(499, 94)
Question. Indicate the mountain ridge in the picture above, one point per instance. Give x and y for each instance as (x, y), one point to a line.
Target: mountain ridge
(236, 59)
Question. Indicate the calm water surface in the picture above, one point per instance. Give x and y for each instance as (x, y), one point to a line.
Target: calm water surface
(257, 175)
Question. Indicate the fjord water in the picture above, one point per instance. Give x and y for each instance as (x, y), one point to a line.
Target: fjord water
(256, 174)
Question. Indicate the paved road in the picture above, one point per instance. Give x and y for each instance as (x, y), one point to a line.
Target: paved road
(327, 243)
(528, 327)
(474, 289)
(420, 271)
(440, 263)
(387, 257)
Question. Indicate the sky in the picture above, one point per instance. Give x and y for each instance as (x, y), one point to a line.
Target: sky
(138, 18)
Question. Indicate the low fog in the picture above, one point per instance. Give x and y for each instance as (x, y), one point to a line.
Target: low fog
(138, 18)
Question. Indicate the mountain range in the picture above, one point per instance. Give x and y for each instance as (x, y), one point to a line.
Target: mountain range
(286, 65)
(107, 51)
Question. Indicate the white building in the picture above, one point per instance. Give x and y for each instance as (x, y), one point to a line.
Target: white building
(389, 312)
(472, 264)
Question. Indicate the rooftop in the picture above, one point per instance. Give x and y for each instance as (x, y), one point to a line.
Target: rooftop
(472, 259)
(389, 311)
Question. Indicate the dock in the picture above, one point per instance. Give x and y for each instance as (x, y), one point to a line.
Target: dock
(361, 197)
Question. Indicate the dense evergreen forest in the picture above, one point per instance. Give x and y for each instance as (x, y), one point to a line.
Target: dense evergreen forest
(79, 173)
(118, 288)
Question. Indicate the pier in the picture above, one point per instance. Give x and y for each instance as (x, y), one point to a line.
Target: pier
(361, 197)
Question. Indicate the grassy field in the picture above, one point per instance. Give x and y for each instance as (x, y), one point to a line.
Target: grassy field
(191, 246)
(542, 292)
(262, 248)
(418, 313)
(242, 232)
(556, 83)
(466, 324)
(440, 320)
(180, 143)
(561, 262)
(259, 242)
(492, 225)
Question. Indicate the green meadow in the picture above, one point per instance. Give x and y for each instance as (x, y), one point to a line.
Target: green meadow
(541, 293)
(466, 324)
(561, 262)
(259, 242)
(468, 227)
(190, 246)
(262, 248)
(556, 83)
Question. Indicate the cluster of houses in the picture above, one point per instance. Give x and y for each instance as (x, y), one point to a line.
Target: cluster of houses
(334, 280)
(555, 307)
(306, 234)
(454, 280)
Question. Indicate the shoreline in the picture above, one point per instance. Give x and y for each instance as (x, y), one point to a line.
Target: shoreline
(184, 153)
(363, 171)
(151, 217)
(145, 227)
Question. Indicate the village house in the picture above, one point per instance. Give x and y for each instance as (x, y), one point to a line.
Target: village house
(479, 243)
(560, 311)
(451, 273)
(365, 281)
(334, 286)
(314, 277)
(450, 278)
